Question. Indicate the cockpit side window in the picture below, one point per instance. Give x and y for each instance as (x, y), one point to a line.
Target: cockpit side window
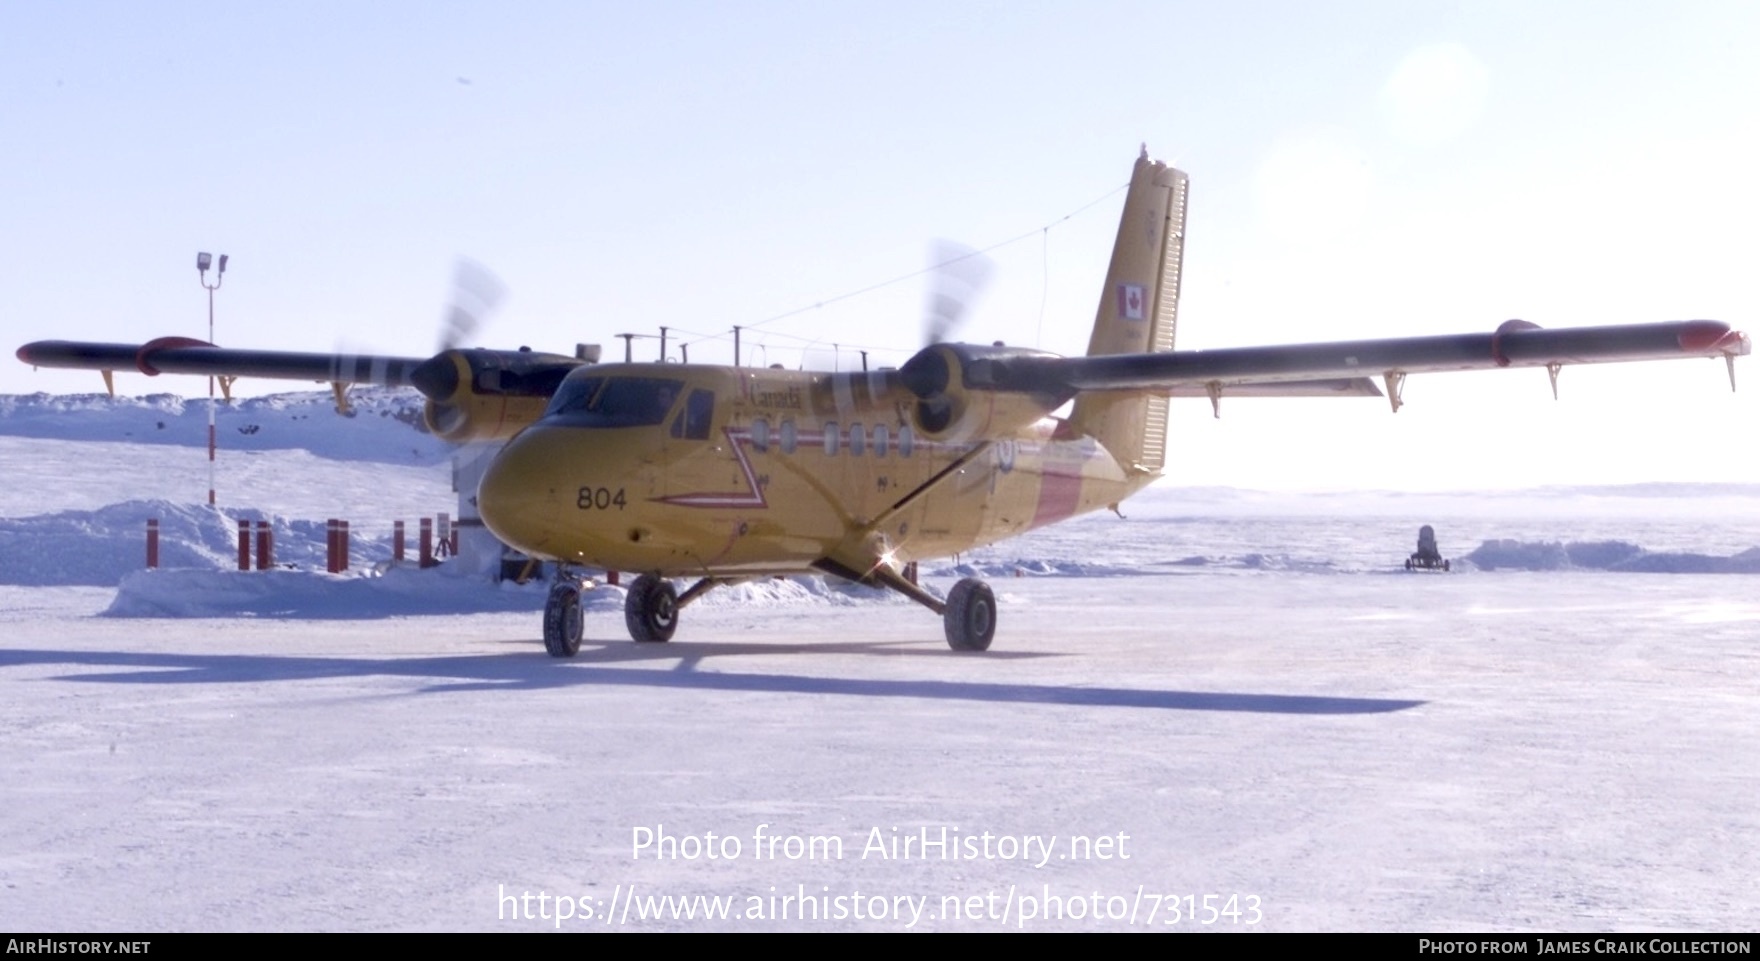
(614, 401)
(574, 394)
(701, 411)
(698, 416)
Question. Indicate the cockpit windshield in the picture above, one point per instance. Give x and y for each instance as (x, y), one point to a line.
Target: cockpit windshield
(613, 401)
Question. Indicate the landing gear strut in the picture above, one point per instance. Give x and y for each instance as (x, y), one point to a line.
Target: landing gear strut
(651, 609)
(968, 614)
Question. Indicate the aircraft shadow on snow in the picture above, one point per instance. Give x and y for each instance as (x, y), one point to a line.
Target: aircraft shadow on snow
(520, 672)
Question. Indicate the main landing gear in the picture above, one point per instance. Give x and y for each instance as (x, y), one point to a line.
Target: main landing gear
(968, 615)
(651, 609)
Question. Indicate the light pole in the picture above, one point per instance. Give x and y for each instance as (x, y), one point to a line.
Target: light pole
(202, 262)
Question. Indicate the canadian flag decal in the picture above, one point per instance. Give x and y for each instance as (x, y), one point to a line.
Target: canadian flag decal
(1130, 301)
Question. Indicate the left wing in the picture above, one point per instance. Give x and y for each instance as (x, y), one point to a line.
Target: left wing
(1250, 371)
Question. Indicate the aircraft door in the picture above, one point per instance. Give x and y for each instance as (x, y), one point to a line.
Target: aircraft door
(694, 420)
(688, 446)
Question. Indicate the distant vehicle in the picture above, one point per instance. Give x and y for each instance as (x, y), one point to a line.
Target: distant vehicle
(1428, 557)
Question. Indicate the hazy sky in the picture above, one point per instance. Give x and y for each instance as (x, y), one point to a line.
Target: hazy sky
(1358, 170)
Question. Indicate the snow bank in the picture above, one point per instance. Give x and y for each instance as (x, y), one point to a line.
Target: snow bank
(1606, 556)
(406, 590)
(384, 425)
(803, 589)
(397, 591)
(100, 547)
(1195, 563)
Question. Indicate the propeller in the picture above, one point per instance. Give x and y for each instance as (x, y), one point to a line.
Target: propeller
(957, 276)
(476, 292)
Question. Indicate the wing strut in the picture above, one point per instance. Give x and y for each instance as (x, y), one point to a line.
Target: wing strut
(940, 477)
(1396, 388)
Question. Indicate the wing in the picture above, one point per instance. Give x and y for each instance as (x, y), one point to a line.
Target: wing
(472, 394)
(508, 373)
(1515, 344)
(1340, 368)
(184, 355)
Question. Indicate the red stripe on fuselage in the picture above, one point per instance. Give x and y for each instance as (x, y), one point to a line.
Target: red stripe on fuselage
(1060, 493)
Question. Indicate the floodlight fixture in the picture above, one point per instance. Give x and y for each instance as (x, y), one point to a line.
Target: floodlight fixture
(203, 261)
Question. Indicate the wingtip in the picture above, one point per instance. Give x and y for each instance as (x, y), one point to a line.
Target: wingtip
(1711, 336)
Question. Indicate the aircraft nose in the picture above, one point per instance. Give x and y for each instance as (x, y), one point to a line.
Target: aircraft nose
(526, 495)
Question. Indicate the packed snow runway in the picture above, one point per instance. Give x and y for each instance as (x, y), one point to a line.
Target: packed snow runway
(1491, 752)
(1232, 705)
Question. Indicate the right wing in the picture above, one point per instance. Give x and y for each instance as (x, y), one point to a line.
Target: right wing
(184, 355)
(473, 394)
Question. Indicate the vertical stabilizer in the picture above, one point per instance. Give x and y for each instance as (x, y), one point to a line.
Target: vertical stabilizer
(1139, 308)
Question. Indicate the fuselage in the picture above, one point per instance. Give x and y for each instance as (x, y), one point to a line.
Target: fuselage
(693, 470)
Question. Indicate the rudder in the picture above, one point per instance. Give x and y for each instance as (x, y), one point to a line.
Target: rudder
(1139, 310)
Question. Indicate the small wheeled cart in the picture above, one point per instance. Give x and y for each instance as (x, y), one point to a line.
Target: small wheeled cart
(1427, 558)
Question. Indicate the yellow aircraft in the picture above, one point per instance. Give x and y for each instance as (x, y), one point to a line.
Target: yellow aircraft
(728, 473)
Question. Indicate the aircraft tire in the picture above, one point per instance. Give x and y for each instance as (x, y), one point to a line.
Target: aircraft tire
(562, 621)
(651, 610)
(970, 618)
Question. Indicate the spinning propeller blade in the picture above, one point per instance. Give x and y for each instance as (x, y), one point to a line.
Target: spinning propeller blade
(957, 275)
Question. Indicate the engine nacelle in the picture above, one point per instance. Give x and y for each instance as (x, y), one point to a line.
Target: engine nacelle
(966, 390)
(482, 417)
(476, 395)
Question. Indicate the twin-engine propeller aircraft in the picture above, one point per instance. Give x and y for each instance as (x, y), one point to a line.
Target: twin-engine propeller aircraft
(727, 473)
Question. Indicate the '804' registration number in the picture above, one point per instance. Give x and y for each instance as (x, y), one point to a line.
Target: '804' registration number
(599, 499)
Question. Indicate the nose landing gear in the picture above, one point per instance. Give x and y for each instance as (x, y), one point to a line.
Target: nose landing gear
(562, 619)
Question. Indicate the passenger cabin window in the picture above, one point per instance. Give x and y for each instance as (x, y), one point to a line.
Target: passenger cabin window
(881, 436)
(856, 440)
(761, 433)
(788, 436)
(831, 437)
(907, 441)
(697, 417)
(615, 401)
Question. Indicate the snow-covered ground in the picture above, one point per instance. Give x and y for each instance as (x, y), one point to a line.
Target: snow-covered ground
(1227, 693)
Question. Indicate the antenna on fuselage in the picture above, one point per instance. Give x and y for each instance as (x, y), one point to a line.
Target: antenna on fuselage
(736, 345)
(628, 344)
(662, 343)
